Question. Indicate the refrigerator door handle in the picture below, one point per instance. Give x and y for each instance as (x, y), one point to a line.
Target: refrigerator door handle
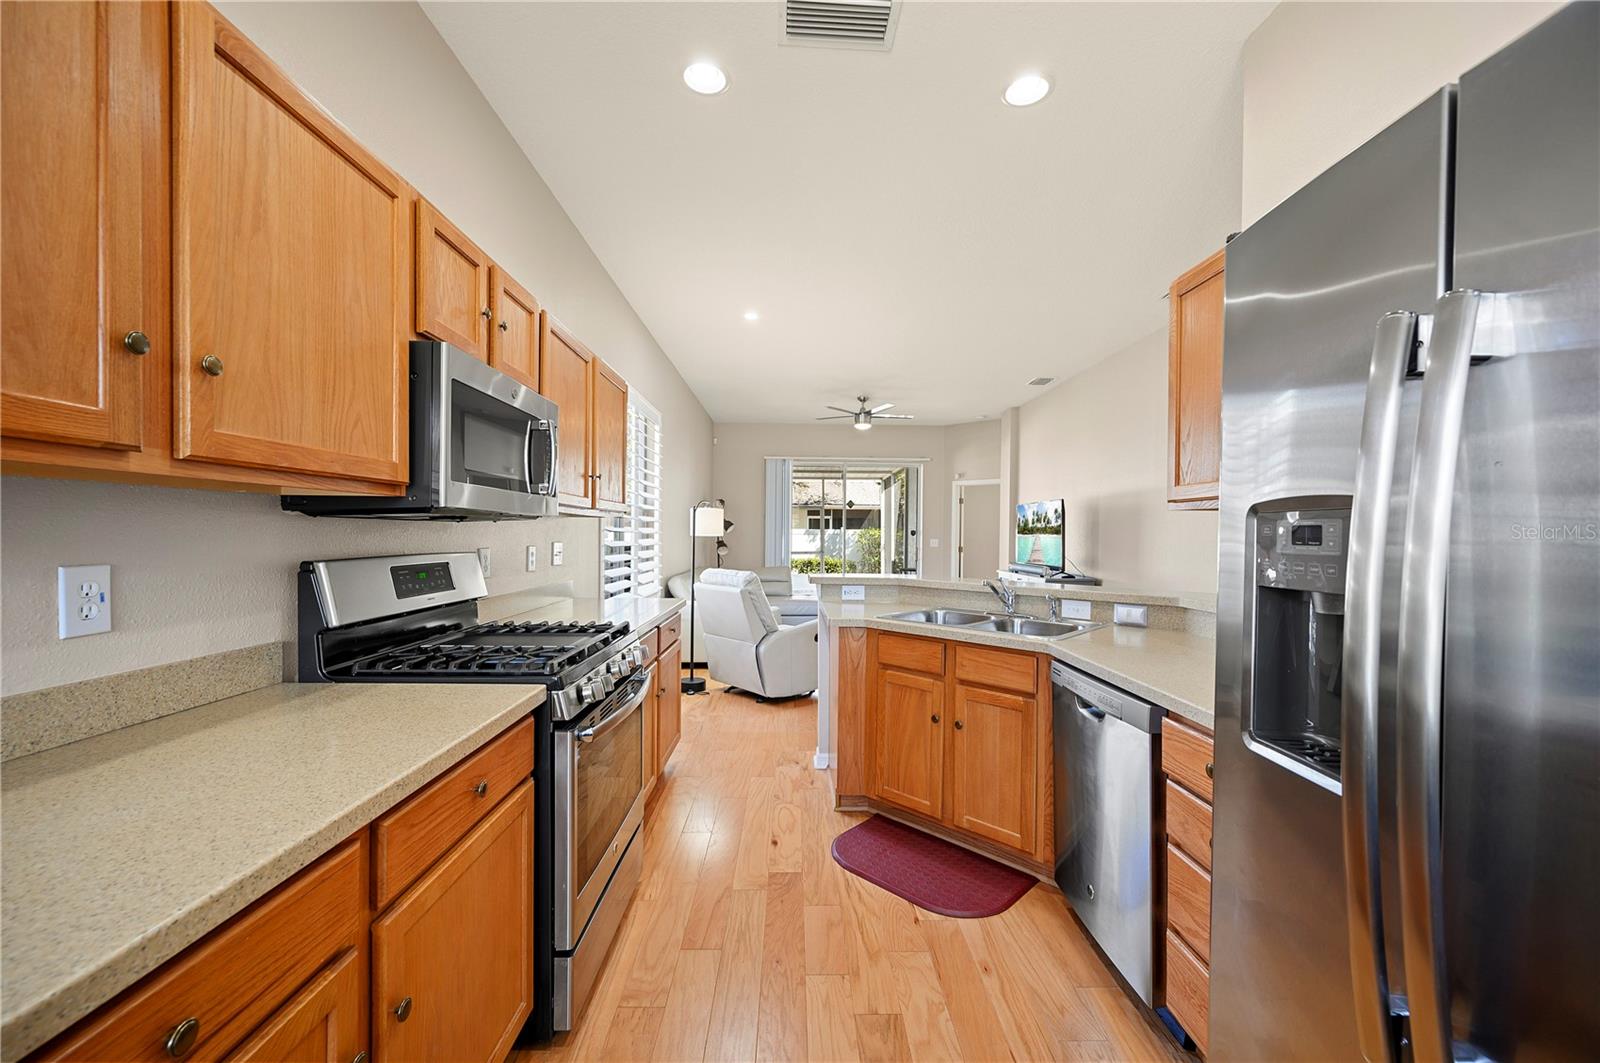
(1363, 621)
(1421, 671)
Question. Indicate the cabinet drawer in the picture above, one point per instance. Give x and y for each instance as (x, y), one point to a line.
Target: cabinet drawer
(1189, 902)
(1186, 755)
(230, 982)
(1005, 669)
(670, 632)
(1189, 824)
(411, 837)
(1188, 990)
(911, 653)
(652, 645)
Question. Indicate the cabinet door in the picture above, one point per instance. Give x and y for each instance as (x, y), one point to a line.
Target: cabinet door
(566, 378)
(452, 960)
(324, 1023)
(1194, 386)
(908, 741)
(610, 438)
(452, 284)
(993, 747)
(291, 267)
(76, 123)
(514, 340)
(669, 703)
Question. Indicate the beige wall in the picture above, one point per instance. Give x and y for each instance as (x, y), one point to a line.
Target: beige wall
(1099, 440)
(739, 473)
(198, 572)
(1321, 78)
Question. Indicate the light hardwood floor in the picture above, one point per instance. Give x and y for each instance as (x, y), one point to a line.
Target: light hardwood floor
(747, 942)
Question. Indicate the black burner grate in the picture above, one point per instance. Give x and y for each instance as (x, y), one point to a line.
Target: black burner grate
(536, 649)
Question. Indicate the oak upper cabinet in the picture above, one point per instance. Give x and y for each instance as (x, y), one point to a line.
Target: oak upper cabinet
(566, 378)
(514, 331)
(992, 765)
(669, 703)
(1194, 386)
(610, 438)
(908, 740)
(452, 279)
(452, 959)
(83, 297)
(291, 270)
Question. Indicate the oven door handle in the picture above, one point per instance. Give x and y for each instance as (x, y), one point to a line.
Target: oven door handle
(613, 719)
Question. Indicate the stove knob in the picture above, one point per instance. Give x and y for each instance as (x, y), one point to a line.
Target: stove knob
(586, 690)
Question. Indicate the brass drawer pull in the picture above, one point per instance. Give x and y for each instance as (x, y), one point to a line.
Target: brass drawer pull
(181, 1041)
(402, 1011)
(482, 788)
(1210, 771)
(136, 342)
(212, 365)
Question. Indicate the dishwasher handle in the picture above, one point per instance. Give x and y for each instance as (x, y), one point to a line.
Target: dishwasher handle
(1097, 699)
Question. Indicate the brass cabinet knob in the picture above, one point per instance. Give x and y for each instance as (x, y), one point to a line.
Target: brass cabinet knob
(504, 325)
(1210, 771)
(402, 1010)
(482, 788)
(935, 717)
(212, 365)
(180, 1042)
(136, 342)
(487, 313)
(361, 1057)
(958, 725)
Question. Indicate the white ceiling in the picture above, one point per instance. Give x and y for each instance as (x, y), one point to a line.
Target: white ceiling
(903, 233)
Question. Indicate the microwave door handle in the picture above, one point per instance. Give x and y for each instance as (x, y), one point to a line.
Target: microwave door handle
(527, 457)
(1369, 516)
(1421, 670)
(547, 486)
(613, 719)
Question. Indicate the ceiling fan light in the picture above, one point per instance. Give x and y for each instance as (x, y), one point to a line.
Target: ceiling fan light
(861, 424)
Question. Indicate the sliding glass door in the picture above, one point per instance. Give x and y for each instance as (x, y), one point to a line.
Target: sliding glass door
(849, 518)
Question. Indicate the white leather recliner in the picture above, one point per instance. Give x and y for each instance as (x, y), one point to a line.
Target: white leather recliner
(745, 645)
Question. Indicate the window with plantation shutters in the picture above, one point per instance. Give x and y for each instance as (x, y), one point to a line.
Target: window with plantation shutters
(630, 549)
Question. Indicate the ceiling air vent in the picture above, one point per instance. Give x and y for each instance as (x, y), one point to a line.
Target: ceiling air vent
(1041, 381)
(841, 23)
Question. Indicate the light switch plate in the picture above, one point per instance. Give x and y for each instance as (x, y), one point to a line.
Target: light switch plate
(1073, 609)
(933, 544)
(83, 600)
(533, 558)
(1131, 615)
(555, 553)
(852, 592)
(483, 560)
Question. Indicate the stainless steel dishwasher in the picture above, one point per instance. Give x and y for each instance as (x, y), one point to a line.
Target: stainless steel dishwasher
(1105, 750)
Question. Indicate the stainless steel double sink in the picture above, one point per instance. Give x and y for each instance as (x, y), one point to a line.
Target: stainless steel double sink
(1004, 623)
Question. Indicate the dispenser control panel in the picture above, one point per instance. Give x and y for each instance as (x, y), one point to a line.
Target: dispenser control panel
(1302, 550)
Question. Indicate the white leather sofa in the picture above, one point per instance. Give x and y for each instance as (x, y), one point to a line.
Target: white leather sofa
(745, 645)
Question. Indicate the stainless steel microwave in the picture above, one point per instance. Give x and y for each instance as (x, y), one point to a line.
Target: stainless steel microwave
(483, 447)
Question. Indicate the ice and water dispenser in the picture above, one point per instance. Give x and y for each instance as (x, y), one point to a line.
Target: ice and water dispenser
(1298, 633)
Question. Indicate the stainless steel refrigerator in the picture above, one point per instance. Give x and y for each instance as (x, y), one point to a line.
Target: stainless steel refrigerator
(1407, 839)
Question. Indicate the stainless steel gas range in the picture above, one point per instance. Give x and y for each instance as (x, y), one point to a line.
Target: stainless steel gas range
(414, 618)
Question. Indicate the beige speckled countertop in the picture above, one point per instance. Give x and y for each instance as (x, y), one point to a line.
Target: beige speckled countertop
(1197, 600)
(1173, 669)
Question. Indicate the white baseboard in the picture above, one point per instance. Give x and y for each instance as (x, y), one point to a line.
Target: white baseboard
(819, 760)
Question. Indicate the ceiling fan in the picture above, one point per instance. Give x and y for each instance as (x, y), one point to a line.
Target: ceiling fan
(863, 417)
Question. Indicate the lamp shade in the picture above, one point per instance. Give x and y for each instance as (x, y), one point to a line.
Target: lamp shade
(707, 521)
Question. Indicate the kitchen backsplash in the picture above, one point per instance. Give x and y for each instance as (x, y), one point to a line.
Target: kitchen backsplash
(199, 572)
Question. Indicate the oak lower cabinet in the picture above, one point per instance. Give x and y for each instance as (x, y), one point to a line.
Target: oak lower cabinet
(325, 1021)
(1194, 385)
(908, 741)
(452, 959)
(669, 702)
(959, 735)
(1187, 753)
(290, 267)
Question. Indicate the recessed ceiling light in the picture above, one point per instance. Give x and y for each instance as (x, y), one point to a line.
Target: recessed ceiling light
(1027, 90)
(706, 78)
(751, 315)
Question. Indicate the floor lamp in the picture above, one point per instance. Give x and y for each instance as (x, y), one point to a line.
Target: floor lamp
(705, 522)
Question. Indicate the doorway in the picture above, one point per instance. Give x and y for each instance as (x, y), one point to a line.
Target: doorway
(976, 521)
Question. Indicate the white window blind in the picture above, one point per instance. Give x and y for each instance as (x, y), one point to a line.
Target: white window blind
(630, 553)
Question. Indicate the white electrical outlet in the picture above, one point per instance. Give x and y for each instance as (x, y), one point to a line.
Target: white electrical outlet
(83, 600)
(1073, 609)
(533, 558)
(1131, 615)
(555, 553)
(483, 560)
(852, 592)
(933, 544)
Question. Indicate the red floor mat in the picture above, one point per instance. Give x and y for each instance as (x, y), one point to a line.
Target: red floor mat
(927, 871)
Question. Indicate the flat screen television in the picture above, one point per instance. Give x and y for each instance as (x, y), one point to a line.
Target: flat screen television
(1040, 535)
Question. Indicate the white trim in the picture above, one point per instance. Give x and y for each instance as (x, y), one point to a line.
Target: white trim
(955, 520)
(845, 459)
(819, 760)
